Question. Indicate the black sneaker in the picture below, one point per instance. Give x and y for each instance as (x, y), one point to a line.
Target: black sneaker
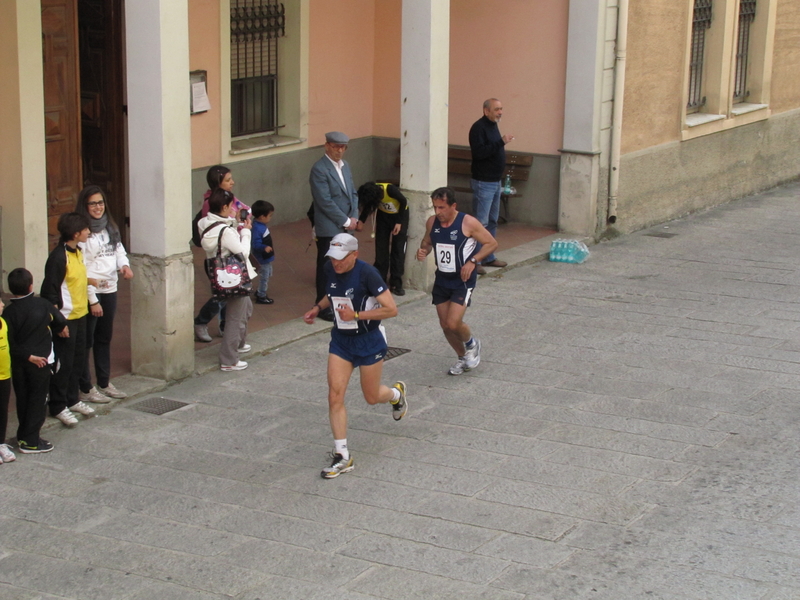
(40, 448)
(398, 291)
(400, 407)
(264, 300)
(338, 466)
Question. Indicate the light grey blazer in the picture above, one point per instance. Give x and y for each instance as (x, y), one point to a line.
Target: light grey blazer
(333, 203)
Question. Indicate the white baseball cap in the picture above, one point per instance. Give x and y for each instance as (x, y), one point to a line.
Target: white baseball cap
(342, 244)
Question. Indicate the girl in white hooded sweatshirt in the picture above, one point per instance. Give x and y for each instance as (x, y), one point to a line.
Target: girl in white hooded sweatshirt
(105, 259)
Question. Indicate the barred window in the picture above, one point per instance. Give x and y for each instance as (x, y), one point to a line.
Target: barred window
(701, 21)
(256, 26)
(747, 13)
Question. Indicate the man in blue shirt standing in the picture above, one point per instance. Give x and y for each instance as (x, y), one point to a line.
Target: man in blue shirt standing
(488, 165)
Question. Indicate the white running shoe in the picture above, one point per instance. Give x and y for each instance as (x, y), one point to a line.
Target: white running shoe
(473, 356)
(239, 366)
(6, 455)
(459, 367)
(67, 418)
(245, 348)
(112, 392)
(82, 408)
(93, 396)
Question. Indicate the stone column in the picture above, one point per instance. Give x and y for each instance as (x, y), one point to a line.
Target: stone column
(580, 156)
(159, 167)
(425, 77)
(23, 220)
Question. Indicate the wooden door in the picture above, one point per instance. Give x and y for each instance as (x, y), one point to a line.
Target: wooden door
(102, 102)
(61, 114)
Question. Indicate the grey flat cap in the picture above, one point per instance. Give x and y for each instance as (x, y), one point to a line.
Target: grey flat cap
(336, 137)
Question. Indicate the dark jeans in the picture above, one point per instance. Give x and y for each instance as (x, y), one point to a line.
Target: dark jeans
(212, 308)
(98, 339)
(390, 256)
(323, 245)
(71, 354)
(31, 384)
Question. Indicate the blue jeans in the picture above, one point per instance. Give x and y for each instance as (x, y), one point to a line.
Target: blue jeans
(264, 273)
(486, 206)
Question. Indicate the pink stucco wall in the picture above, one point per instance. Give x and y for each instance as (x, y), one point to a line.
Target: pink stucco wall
(204, 53)
(341, 68)
(517, 54)
(515, 50)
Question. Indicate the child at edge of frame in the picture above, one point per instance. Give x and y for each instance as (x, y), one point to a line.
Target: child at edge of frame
(31, 322)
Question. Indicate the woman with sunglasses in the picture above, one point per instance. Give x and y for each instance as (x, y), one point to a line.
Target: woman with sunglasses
(105, 258)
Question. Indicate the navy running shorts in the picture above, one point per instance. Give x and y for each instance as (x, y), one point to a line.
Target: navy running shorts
(360, 350)
(461, 295)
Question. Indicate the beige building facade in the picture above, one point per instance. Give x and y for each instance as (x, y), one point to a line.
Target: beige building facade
(631, 113)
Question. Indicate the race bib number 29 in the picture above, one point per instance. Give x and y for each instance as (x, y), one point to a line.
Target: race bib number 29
(446, 257)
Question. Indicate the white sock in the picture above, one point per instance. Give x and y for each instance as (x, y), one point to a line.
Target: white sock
(395, 395)
(341, 448)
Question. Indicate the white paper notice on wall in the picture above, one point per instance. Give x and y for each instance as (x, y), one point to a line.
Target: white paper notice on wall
(200, 101)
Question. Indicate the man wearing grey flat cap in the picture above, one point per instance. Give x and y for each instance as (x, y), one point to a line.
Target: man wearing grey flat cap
(335, 203)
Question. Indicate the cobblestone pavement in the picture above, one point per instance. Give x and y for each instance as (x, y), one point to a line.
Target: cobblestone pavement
(632, 432)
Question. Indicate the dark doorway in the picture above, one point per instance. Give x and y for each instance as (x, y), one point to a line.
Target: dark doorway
(62, 123)
(102, 101)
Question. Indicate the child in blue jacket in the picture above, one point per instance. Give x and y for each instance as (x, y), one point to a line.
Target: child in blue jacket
(262, 250)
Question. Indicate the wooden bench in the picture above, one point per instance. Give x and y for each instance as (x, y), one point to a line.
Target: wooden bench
(518, 167)
(459, 162)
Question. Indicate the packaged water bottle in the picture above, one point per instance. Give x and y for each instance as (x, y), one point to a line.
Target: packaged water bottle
(572, 247)
(507, 185)
(554, 251)
(559, 250)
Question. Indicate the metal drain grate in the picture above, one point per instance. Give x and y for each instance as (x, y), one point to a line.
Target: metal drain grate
(158, 406)
(395, 352)
(662, 234)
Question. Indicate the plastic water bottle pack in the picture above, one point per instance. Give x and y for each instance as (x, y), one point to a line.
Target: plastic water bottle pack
(568, 251)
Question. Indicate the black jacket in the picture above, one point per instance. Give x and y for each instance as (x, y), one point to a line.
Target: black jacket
(488, 150)
(30, 320)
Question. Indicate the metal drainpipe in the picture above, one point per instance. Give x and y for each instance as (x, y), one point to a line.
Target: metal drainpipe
(616, 118)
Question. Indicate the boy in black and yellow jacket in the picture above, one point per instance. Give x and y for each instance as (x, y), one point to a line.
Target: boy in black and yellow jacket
(65, 285)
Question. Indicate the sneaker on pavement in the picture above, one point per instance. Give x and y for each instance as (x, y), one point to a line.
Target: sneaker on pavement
(93, 396)
(6, 455)
(67, 418)
(112, 392)
(239, 366)
(40, 448)
(459, 367)
(400, 407)
(338, 466)
(82, 408)
(473, 356)
(201, 333)
(245, 348)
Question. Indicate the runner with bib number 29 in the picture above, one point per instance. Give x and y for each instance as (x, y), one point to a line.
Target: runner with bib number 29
(459, 243)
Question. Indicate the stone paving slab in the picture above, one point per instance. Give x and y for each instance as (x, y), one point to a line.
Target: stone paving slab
(631, 432)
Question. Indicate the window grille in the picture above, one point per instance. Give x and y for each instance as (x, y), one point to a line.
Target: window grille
(701, 21)
(256, 26)
(747, 13)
